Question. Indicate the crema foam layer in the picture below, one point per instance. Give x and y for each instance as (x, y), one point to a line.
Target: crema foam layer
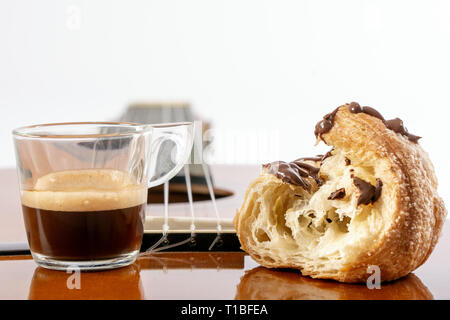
(85, 190)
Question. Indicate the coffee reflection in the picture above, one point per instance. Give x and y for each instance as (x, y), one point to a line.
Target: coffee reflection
(265, 284)
(118, 284)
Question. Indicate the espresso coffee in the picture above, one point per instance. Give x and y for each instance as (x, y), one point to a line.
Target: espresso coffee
(84, 215)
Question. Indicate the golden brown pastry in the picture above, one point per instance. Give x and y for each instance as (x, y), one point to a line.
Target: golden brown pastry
(265, 284)
(371, 201)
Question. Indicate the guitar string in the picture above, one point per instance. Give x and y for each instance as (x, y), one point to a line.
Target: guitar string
(155, 248)
(166, 219)
(208, 179)
(187, 176)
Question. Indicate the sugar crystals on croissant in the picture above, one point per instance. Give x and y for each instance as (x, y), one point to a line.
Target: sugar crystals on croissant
(371, 201)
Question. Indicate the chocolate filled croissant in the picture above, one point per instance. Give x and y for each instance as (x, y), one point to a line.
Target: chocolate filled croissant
(371, 201)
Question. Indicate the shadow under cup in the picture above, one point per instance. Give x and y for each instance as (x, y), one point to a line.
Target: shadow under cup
(84, 189)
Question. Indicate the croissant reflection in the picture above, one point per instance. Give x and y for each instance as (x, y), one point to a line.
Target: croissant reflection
(118, 284)
(266, 284)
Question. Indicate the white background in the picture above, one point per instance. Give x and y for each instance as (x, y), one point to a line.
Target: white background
(245, 65)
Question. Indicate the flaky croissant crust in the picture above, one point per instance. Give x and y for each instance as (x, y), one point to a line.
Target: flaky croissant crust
(402, 227)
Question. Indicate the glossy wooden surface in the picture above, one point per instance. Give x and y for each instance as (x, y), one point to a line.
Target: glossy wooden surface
(197, 275)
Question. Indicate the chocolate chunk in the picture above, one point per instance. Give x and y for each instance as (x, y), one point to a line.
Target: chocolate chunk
(378, 188)
(397, 126)
(312, 171)
(308, 167)
(369, 193)
(289, 173)
(347, 162)
(296, 172)
(354, 107)
(372, 112)
(338, 194)
(300, 170)
(325, 124)
(329, 220)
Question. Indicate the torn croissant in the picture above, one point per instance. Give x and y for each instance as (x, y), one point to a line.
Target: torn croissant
(371, 201)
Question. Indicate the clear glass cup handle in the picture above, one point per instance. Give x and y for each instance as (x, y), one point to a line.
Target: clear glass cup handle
(170, 148)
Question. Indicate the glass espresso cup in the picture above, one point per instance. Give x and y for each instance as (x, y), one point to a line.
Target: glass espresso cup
(84, 187)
